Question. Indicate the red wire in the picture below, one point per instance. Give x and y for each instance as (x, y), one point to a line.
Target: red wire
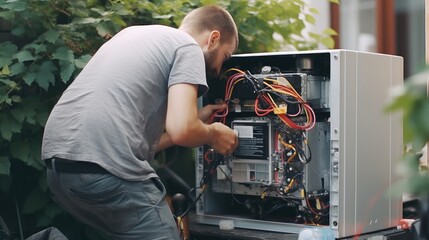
(303, 107)
(284, 117)
(206, 157)
(220, 115)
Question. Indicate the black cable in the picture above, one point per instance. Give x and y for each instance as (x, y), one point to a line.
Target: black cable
(203, 184)
(193, 204)
(254, 82)
(311, 210)
(286, 98)
(179, 181)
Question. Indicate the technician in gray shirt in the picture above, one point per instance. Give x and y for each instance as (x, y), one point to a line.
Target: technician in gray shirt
(136, 96)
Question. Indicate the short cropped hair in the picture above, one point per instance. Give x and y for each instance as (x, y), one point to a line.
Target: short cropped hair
(212, 17)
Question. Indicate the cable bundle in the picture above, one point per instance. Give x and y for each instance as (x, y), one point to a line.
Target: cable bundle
(220, 115)
(265, 104)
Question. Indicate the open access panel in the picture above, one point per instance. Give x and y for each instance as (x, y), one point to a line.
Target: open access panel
(316, 147)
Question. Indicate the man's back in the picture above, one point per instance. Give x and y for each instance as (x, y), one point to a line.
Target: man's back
(115, 109)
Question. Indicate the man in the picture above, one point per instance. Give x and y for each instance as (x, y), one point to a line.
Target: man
(136, 96)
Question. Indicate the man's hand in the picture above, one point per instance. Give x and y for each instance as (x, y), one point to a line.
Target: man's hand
(205, 113)
(224, 139)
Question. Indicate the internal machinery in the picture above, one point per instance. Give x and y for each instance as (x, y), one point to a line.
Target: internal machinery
(274, 173)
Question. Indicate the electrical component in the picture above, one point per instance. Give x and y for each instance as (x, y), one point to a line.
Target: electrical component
(252, 159)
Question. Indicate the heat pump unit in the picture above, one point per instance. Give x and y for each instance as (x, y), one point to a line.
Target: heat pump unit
(316, 147)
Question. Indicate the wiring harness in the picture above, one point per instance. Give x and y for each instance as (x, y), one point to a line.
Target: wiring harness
(266, 89)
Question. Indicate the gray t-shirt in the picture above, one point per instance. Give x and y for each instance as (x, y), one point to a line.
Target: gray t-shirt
(113, 113)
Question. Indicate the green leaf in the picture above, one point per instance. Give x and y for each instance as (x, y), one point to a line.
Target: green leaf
(63, 53)
(15, 5)
(29, 78)
(402, 101)
(24, 55)
(67, 70)
(328, 42)
(103, 30)
(330, 31)
(88, 20)
(15, 98)
(38, 48)
(335, 1)
(51, 36)
(43, 78)
(8, 82)
(4, 165)
(98, 11)
(17, 68)
(118, 21)
(310, 19)
(314, 10)
(416, 124)
(5, 70)
(422, 122)
(314, 35)
(7, 49)
(5, 99)
(82, 61)
(4, 61)
(45, 75)
(19, 31)
(8, 16)
(8, 126)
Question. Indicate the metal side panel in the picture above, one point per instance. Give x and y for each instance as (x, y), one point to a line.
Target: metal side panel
(396, 140)
(366, 151)
(347, 141)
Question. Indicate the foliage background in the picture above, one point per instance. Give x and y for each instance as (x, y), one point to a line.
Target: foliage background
(50, 41)
(412, 101)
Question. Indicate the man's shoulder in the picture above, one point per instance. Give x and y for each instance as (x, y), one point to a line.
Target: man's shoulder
(159, 31)
(152, 29)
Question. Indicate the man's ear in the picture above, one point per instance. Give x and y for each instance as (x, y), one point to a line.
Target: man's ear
(214, 40)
